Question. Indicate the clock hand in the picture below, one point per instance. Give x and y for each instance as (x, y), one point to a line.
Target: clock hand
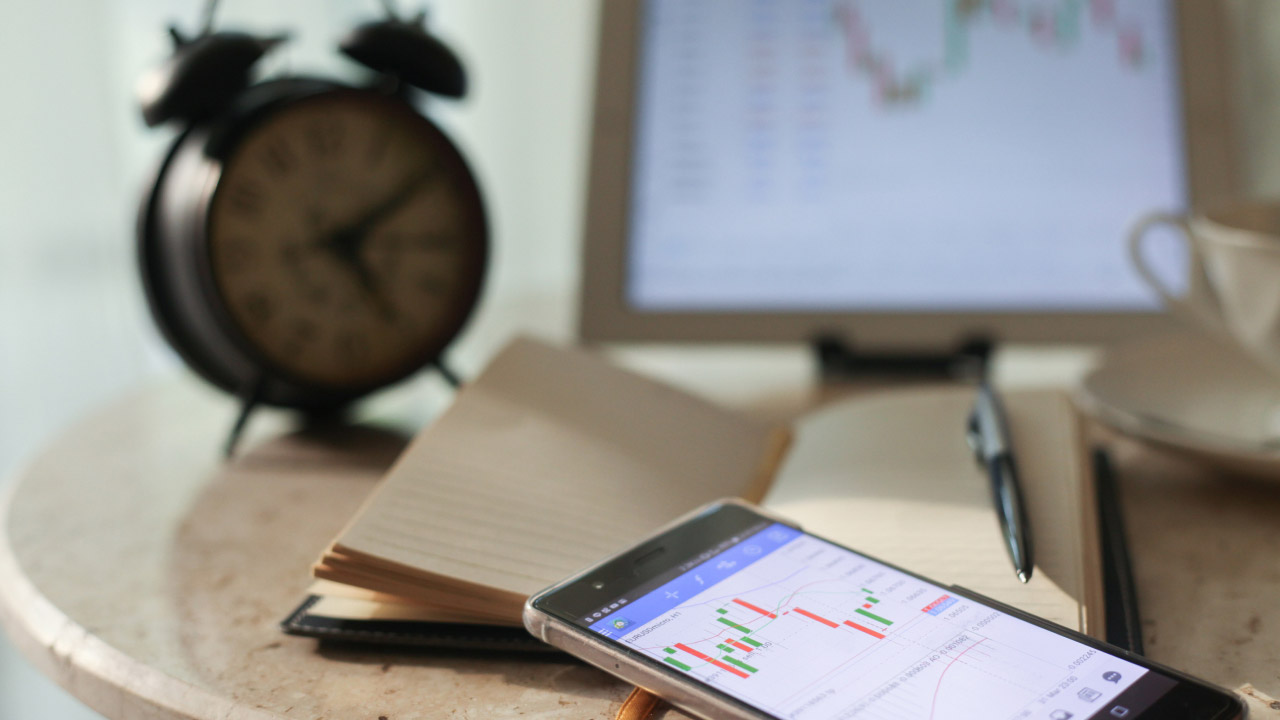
(349, 238)
(347, 241)
(365, 278)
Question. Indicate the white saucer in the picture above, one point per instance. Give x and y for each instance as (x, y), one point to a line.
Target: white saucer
(1192, 393)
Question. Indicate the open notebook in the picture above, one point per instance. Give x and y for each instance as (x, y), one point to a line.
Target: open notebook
(553, 459)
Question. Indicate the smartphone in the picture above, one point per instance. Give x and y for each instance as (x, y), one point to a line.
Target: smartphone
(733, 613)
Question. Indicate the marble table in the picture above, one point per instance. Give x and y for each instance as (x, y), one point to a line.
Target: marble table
(148, 577)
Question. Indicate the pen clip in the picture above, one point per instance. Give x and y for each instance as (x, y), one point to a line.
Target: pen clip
(973, 436)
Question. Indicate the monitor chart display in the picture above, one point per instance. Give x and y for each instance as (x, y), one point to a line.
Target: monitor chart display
(933, 155)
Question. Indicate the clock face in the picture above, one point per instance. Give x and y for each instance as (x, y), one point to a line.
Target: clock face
(346, 239)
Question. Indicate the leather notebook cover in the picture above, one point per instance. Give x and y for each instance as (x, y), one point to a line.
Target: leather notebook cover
(410, 633)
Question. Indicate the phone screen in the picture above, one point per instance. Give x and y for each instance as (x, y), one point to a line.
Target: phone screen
(798, 627)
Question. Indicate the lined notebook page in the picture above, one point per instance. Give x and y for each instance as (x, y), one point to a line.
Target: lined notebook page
(891, 475)
(549, 461)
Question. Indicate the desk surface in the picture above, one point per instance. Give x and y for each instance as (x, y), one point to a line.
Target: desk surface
(148, 578)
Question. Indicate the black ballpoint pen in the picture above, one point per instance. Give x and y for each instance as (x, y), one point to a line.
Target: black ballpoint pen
(988, 435)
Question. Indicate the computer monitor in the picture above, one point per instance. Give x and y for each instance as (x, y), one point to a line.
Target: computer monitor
(907, 174)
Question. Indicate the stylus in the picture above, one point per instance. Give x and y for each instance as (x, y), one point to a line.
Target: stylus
(988, 435)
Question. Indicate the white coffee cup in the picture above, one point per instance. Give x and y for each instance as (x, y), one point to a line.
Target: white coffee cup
(1234, 267)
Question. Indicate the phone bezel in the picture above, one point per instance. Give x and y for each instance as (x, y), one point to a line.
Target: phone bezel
(547, 616)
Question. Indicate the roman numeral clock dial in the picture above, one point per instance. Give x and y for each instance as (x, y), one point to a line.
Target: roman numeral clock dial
(343, 240)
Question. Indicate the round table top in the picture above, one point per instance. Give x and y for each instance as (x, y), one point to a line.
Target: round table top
(149, 578)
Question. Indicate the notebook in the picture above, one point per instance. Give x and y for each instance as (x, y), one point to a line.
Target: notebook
(554, 458)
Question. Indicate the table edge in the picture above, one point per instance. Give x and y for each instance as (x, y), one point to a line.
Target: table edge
(104, 678)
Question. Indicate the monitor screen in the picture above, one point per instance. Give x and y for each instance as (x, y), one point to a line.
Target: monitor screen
(933, 155)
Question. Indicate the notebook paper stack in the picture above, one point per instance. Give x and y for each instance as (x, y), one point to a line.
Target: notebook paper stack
(553, 459)
(548, 461)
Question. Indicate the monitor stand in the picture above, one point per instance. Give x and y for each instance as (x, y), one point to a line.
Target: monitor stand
(839, 361)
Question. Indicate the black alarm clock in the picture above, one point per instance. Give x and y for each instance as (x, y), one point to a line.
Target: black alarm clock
(307, 241)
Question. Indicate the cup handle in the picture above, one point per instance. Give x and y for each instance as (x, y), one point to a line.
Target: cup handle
(1200, 304)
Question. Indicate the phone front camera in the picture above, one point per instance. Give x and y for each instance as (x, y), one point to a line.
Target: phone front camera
(598, 585)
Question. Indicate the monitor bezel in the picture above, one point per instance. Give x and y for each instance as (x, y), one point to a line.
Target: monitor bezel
(1214, 175)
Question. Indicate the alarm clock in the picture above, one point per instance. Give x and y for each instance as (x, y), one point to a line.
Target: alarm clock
(307, 241)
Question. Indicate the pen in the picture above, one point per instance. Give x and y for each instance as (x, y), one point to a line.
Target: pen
(1124, 622)
(988, 436)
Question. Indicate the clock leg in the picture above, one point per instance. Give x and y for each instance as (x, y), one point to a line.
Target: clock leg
(250, 396)
(445, 372)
